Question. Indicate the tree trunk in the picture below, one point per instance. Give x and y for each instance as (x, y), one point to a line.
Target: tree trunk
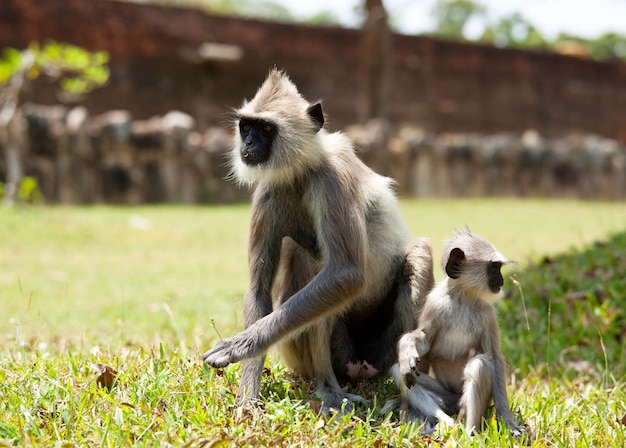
(377, 64)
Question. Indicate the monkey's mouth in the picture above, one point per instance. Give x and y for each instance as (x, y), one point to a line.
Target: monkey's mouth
(252, 158)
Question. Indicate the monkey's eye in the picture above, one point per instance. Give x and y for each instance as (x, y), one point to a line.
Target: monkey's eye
(245, 127)
(267, 128)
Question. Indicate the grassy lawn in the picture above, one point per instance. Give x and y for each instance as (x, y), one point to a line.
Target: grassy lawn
(146, 290)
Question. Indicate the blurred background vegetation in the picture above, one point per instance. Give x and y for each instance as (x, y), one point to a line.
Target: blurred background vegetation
(452, 18)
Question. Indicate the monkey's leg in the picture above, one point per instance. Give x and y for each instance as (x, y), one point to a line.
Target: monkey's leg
(328, 388)
(252, 368)
(309, 352)
(296, 268)
(416, 282)
(377, 342)
(477, 391)
(500, 399)
(251, 371)
(409, 359)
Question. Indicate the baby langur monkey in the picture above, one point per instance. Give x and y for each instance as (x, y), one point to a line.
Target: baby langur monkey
(458, 338)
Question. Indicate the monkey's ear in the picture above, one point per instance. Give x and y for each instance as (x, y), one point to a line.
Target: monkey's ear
(317, 115)
(454, 266)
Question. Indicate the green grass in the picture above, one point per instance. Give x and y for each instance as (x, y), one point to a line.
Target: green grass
(138, 288)
(576, 312)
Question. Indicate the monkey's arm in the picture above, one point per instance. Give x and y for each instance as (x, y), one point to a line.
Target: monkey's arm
(491, 345)
(257, 304)
(341, 236)
(415, 345)
(408, 358)
(263, 258)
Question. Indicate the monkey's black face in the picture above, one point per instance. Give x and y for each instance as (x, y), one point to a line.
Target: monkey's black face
(495, 276)
(257, 137)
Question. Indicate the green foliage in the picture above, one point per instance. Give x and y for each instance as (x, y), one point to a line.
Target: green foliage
(9, 64)
(575, 321)
(77, 70)
(83, 70)
(451, 16)
(326, 18)
(258, 9)
(28, 192)
(513, 31)
(451, 21)
(606, 46)
(567, 37)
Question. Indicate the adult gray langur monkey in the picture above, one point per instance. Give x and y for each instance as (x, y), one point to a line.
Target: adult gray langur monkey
(458, 338)
(334, 279)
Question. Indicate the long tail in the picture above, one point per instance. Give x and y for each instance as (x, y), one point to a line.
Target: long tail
(421, 402)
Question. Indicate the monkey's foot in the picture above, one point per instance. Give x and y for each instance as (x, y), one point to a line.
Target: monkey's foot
(360, 370)
(517, 431)
(394, 405)
(336, 400)
(520, 433)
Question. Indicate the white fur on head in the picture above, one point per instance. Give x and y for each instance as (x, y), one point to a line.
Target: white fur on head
(474, 247)
(478, 253)
(297, 145)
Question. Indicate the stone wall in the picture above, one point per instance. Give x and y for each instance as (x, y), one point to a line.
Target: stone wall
(114, 158)
(158, 65)
(526, 165)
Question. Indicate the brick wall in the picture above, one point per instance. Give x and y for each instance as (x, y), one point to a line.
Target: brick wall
(439, 85)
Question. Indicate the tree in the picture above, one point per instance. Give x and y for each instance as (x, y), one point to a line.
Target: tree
(608, 46)
(256, 9)
(377, 63)
(514, 31)
(326, 18)
(451, 17)
(77, 72)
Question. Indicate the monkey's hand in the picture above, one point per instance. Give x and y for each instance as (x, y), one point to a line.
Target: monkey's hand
(409, 370)
(231, 350)
(408, 359)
